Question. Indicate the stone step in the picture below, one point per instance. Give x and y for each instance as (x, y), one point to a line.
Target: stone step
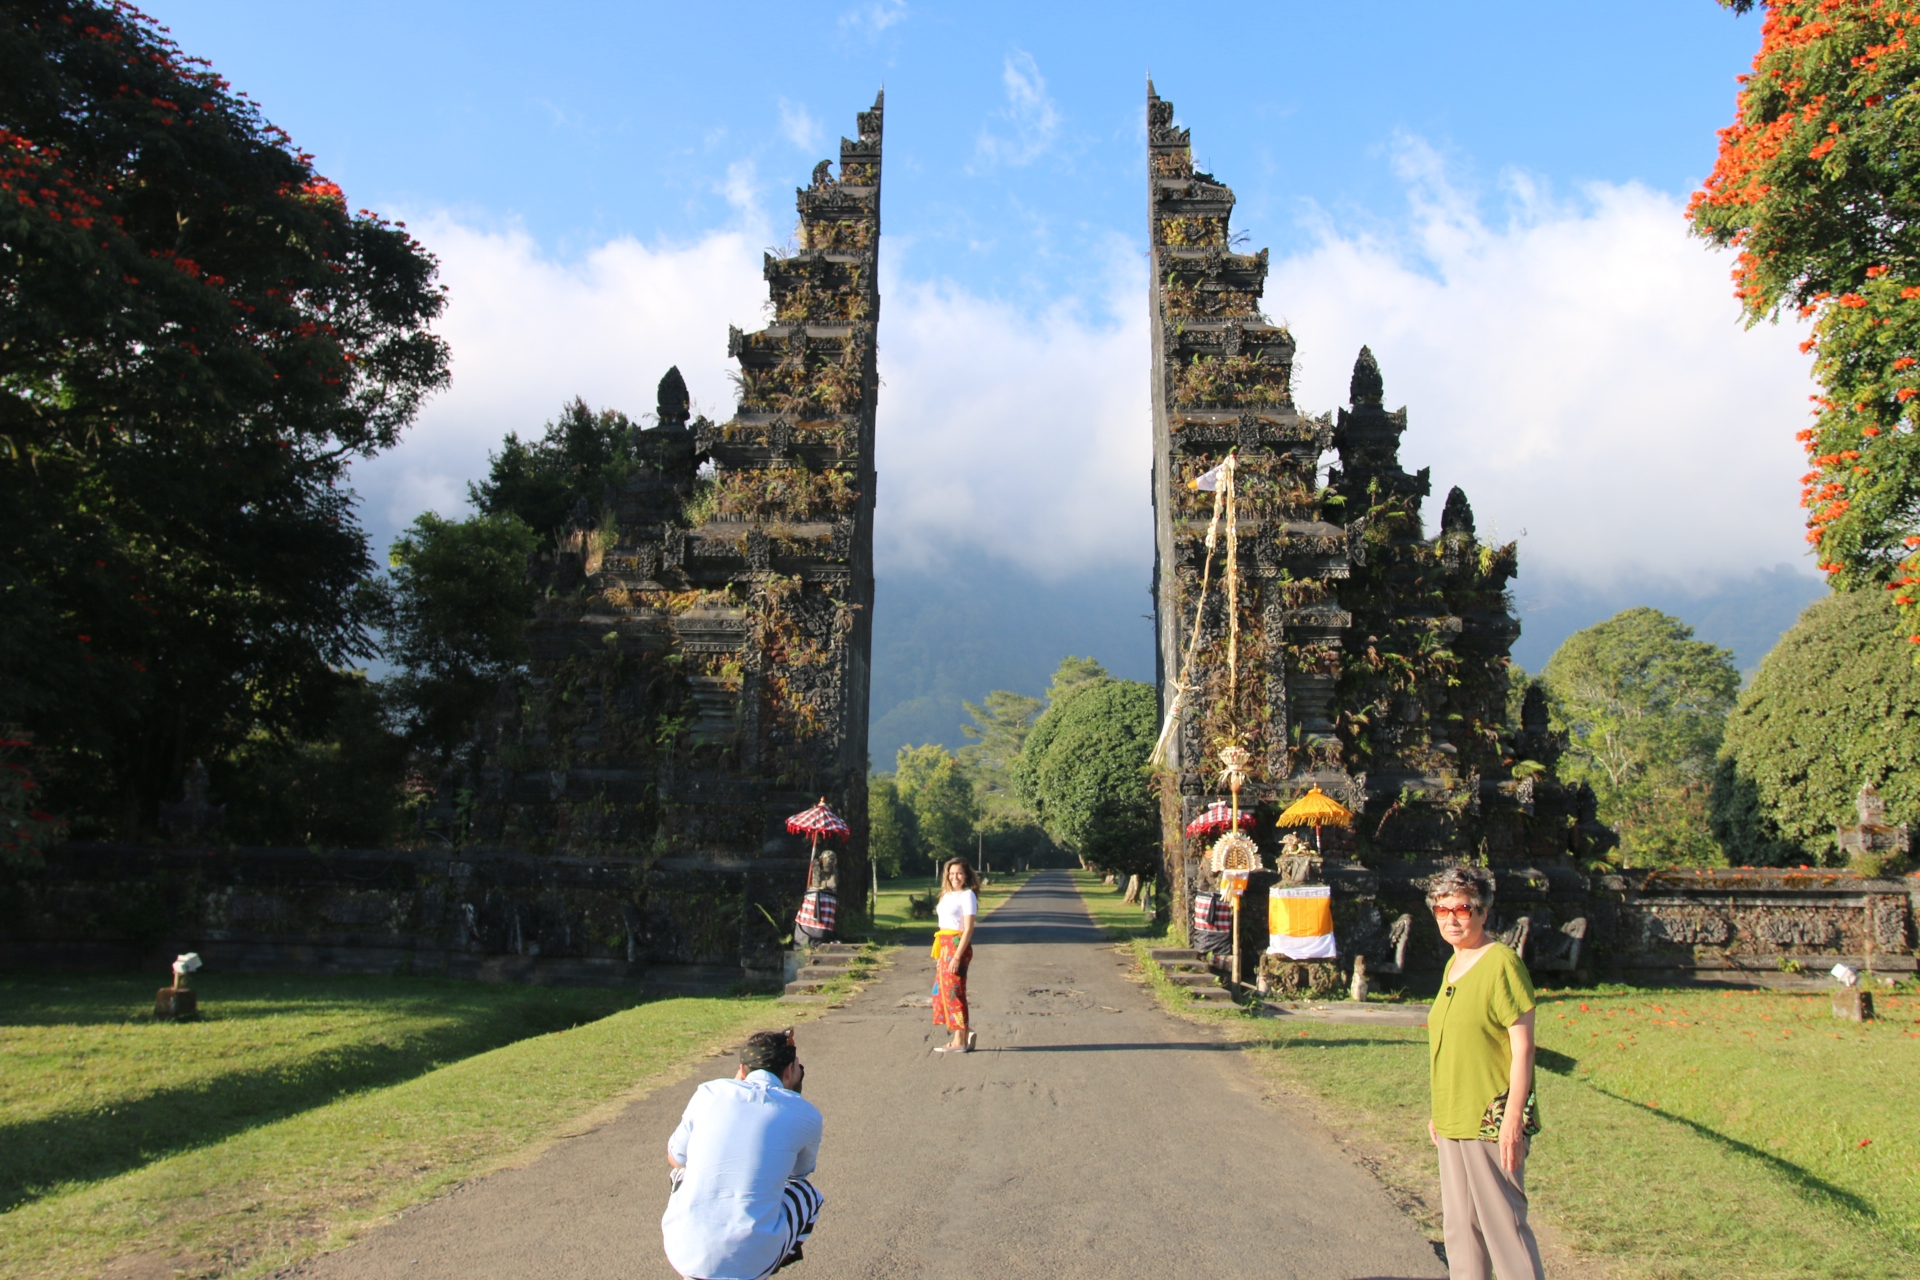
(835, 949)
(818, 974)
(1164, 954)
(832, 961)
(1191, 979)
(1211, 995)
(1185, 966)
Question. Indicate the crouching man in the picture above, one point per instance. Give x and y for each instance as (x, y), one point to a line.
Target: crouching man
(741, 1205)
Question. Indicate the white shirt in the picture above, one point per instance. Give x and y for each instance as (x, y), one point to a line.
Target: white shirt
(740, 1141)
(955, 905)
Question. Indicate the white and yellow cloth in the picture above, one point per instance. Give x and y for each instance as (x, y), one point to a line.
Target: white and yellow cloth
(1300, 922)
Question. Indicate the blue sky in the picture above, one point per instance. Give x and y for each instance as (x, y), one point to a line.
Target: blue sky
(586, 121)
(1491, 196)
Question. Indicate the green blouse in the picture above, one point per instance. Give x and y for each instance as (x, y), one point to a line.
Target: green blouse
(1468, 1052)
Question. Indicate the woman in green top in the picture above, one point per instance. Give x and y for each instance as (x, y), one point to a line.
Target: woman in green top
(1480, 1051)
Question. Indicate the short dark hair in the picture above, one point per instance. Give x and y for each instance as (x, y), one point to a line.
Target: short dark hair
(769, 1051)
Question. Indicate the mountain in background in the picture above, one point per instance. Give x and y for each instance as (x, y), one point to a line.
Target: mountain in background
(943, 638)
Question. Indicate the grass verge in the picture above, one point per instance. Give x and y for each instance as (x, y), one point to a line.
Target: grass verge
(1108, 906)
(286, 1186)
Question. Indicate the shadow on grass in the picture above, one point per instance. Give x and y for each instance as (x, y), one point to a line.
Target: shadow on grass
(38, 1157)
(1307, 1040)
(1809, 1184)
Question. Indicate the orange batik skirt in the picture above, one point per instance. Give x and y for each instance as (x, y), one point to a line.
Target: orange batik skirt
(949, 986)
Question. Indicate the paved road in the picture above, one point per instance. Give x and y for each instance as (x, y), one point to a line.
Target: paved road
(1092, 1136)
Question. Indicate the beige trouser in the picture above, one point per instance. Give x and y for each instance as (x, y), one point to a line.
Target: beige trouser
(1485, 1211)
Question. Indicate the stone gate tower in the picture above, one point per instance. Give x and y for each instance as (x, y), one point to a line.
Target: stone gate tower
(700, 658)
(1372, 657)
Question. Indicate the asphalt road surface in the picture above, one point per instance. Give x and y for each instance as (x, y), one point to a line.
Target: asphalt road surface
(1091, 1136)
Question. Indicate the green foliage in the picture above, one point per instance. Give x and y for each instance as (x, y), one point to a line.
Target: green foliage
(1000, 727)
(544, 481)
(934, 786)
(1644, 705)
(1834, 705)
(199, 336)
(460, 599)
(1073, 675)
(26, 827)
(1084, 772)
(1517, 682)
(1009, 833)
(341, 787)
(1814, 188)
(891, 839)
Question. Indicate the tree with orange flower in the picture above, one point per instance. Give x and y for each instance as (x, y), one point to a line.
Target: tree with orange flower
(196, 336)
(1817, 189)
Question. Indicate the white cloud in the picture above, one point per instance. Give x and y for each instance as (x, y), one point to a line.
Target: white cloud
(1580, 371)
(529, 333)
(874, 18)
(1026, 436)
(1578, 368)
(798, 126)
(1033, 116)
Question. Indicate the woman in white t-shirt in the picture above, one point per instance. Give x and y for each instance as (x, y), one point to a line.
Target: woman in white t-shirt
(953, 951)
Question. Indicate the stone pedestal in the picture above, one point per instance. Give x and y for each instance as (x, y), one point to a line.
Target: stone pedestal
(1853, 1004)
(175, 1004)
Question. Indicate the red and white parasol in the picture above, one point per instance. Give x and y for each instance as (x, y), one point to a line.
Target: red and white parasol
(819, 823)
(1218, 817)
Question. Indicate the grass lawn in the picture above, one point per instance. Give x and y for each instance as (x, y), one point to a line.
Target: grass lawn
(300, 1110)
(1689, 1134)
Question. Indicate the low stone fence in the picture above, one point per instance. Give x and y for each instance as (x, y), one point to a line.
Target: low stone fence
(677, 922)
(1766, 926)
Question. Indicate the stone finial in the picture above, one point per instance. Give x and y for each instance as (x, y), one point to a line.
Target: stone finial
(1367, 388)
(823, 173)
(675, 406)
(1457, 515)
(1533, 708)
(1873, 810)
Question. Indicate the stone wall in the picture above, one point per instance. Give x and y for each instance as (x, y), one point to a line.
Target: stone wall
(1745, 926)
(674, 923)
(682, 923)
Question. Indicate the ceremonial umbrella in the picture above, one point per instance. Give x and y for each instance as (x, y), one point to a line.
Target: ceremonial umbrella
(1215, 818)
(1316, 809)
(818, 823)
